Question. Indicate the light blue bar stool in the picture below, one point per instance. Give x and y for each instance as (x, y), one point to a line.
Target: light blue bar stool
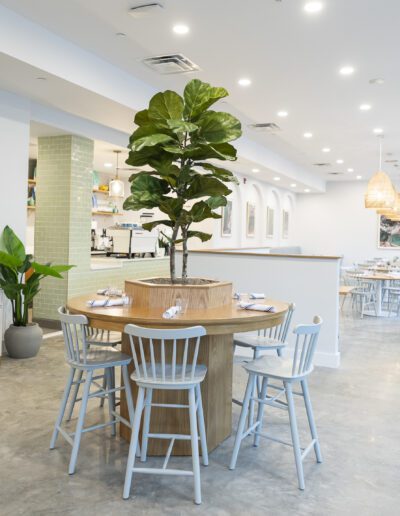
(161, 364)
(274, 338)
(288, 371)
(82, 359)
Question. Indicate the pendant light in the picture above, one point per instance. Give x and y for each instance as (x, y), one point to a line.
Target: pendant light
(380, 192)
(116, 186)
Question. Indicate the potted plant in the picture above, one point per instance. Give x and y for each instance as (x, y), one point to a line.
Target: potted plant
(177, 137)
(20, 278)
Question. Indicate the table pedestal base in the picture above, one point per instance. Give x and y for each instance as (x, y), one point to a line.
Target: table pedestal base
(216, 352)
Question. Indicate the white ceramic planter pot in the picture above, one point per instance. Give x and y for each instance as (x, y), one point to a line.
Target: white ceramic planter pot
(23, 341)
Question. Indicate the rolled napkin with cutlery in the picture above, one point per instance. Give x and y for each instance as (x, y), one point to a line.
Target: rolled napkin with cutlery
(254, 295)
(107, 302)
(171, 312)
(257, 307)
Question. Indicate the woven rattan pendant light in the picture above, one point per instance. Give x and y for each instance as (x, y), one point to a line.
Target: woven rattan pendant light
(391, 212)
(380, 192)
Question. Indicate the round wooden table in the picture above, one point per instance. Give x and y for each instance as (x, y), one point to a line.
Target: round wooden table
(216, 352)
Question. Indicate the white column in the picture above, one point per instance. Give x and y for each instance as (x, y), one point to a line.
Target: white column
(14, 152)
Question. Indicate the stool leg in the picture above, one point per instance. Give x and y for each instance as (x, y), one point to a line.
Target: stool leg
(260, 410)
(295, 434)
(74, 395)
(129, 401)
(111, 399)
(102, 399)
(311, 422)
(64, 401)
(146, 423)
(133, 444)
(195, 446)
(202, 426)
(242, 419)
(79, 425)
(256, 354)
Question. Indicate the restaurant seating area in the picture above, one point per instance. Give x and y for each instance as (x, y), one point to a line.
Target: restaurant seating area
(199, 258)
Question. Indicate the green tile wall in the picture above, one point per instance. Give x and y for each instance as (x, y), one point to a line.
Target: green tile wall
(63, 222)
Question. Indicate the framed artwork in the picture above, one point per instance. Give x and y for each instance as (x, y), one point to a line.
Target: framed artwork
(226, 221)
(270, 222)
(251, 219)
(285, 224)
(388, 233)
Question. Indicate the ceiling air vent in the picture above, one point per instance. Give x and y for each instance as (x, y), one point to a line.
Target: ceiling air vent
(171, 63)
(391, 161)
(141, 10)
(269, 127)
(335, 173)
(321, 164)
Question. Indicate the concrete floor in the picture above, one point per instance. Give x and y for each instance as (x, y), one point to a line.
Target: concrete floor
(357, 410)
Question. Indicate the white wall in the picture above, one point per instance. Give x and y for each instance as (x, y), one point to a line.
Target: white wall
(311, 283)
(262, 194)
(336, 223)
(14, 152)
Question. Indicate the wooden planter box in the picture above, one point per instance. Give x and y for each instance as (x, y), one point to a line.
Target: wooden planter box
(151, 295)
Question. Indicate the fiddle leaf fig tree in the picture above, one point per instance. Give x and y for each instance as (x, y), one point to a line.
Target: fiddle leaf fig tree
(176, 138)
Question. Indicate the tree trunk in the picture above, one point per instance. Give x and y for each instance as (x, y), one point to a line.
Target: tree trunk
(185, 255)
(172, 254)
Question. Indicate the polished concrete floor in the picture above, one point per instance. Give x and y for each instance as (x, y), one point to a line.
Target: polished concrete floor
(357, 410)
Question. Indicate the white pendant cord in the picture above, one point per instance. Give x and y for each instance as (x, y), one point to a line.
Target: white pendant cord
(380, 155)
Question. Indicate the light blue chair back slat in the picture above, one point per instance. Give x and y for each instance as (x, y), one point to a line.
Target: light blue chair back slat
(280, 332)
(74, 331)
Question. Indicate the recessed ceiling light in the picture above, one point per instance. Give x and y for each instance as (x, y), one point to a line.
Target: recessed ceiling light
(365, 107)
(180, 29)
(313, 7)
(378, 130)
(244, 81)
(307, 135)
(307, 190)
(276, 178)
(282, 114)
(326, 149)
(378, 81)
(359, 177)
(120, 34)
(293, 185)
(346, 70)
(350, 170)
(339, 161)
(108, 165)
(255, 170)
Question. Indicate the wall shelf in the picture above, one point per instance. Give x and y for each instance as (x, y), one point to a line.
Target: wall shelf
(31, 182)
(109, 213)
(96, 190)
(31, 207)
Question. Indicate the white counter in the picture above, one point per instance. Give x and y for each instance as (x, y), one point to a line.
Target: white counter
(98, 263)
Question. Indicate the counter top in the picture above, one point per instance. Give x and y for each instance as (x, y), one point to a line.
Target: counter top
(109, 262)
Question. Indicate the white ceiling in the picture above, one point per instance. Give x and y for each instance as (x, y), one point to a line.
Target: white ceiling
(292, 58)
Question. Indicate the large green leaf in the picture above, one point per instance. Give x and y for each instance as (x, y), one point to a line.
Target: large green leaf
(148, 130)
(199, 234)
(142, 117)
(9, 260)
(150, 141)
(201, 151)
(219, 127)
(199, 96)
(48, 270)
(180, 126)
(13, 244)
(216, 202)
(172, 206)
(201, 211)
(203, 186)
(167, 105)
(148, 226)
(147, 183)
(221, 173)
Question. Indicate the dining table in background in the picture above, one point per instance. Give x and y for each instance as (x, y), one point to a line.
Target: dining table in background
(380, 278)
(216, 352)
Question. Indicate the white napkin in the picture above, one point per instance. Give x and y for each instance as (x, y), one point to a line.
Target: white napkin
(107, 302)
(254, 306)
(109, 292)
(257, 296)
(171, 312)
